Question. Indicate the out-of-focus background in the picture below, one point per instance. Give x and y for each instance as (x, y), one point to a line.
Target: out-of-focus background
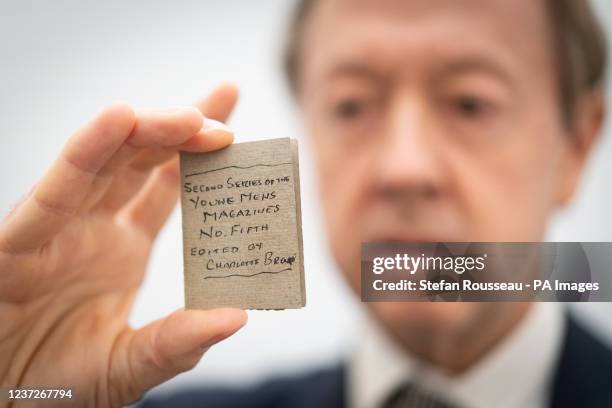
(62, 61)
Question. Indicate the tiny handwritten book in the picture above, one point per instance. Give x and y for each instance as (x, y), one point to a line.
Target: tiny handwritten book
(242, 227)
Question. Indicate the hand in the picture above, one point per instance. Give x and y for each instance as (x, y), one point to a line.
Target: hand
(73, 255)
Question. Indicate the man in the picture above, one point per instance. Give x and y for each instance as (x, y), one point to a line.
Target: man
(439, 120)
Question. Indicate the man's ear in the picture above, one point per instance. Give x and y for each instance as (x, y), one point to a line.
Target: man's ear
(581, 138)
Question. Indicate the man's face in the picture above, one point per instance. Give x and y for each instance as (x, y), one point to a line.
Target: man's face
(433, 121)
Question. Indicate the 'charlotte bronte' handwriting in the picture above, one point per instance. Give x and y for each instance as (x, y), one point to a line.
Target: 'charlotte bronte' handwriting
(269, 258)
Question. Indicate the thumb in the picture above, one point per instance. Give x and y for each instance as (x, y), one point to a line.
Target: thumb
(161, 350)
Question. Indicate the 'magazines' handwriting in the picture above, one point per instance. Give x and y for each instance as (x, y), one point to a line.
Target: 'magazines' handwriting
(238, 213)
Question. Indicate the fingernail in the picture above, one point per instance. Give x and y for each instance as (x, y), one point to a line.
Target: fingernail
(211, 126)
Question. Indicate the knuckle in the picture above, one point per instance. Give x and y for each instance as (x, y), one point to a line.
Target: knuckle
(53, 207)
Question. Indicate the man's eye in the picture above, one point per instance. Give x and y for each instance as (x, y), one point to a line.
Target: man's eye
(471, 106)
(349, 109)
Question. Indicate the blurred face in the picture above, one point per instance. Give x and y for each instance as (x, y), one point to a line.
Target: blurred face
(433, 121)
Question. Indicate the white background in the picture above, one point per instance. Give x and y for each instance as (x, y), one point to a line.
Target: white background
(62, 61)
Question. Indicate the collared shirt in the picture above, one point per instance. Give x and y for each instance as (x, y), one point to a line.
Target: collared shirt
(517, 372)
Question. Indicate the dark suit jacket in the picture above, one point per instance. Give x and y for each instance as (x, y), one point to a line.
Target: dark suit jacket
(583, 379)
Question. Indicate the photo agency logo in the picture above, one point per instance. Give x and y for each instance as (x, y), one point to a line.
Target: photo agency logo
(412, 264)
(477, 271)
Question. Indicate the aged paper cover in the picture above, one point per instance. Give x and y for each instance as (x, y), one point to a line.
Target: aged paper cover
(242, 233)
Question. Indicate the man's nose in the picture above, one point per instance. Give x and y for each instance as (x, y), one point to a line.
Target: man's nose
(409, 162)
